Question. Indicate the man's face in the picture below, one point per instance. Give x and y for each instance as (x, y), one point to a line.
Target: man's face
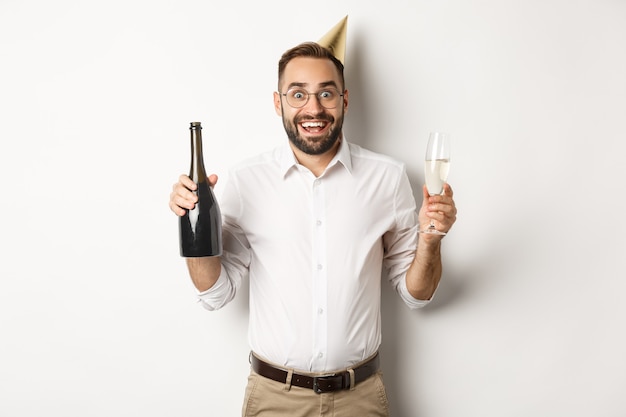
(312, 128)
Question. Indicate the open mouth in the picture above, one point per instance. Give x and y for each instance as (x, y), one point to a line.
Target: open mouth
(313, 127)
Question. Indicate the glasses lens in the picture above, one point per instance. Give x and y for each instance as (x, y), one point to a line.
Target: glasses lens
(329, 98)
(297, 98)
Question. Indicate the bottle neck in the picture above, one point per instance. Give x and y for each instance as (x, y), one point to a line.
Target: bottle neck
(197, 172)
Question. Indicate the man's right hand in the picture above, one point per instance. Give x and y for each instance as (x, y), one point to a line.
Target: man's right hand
(182, 197)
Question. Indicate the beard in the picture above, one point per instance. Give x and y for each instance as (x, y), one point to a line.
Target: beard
(314, 145)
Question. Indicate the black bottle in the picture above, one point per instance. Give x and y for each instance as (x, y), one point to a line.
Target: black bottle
(200, 228)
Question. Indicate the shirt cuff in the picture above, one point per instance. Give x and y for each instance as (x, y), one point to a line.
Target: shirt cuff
(218, 295)
(409, 300)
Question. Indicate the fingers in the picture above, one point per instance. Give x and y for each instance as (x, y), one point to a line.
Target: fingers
(182, 197)
(441, 208)
(186, 182)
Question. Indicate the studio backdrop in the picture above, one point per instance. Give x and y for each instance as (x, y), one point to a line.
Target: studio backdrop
(97, 313)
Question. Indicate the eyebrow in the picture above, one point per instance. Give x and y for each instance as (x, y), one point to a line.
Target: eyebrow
(321, 85)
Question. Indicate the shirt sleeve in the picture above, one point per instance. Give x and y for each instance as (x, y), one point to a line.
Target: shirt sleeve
(408, 299)
(401, 241)
(218, 295)
(235, 257)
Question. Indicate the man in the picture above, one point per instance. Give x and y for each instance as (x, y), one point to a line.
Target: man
(311, 224)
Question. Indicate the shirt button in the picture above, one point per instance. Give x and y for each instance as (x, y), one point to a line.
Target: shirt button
(319, 267)
(320, 311)
(319, 222)
(320, 355)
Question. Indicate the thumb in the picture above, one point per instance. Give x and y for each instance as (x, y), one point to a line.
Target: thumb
(212, 180)
(425, 192)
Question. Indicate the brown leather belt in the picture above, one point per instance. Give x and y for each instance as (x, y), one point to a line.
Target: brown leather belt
(319, 384)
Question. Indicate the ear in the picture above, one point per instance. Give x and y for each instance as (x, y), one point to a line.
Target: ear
(277, 104)
(345, 101)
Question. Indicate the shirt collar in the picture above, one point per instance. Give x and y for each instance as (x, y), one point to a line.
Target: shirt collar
(288, 160)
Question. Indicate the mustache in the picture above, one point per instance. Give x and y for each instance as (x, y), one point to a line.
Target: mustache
(325, 118)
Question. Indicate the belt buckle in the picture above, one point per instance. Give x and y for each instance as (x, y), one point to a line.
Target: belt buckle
(316, 386)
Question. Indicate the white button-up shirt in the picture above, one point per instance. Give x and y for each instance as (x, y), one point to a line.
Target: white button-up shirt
(314, 251)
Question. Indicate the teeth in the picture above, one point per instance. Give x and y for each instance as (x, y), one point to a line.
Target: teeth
(312, 124)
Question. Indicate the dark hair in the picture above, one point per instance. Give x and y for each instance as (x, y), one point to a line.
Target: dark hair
(311, 50)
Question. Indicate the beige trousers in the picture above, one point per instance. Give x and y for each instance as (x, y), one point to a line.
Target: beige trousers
(267, 398)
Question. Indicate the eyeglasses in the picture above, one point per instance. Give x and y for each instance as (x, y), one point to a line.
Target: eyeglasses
(328, 98)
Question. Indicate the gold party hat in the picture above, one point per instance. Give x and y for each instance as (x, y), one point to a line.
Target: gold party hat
(335, 39)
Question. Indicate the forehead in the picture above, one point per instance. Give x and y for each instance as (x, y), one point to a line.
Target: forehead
(307, 71)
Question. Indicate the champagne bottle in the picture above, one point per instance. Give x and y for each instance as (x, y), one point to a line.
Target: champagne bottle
(201, 227)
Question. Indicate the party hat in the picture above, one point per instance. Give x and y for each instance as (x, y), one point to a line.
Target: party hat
(335, 39)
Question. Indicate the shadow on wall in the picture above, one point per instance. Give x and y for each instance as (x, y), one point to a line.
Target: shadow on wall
(356, 123)
(488, 270)
(397, 321)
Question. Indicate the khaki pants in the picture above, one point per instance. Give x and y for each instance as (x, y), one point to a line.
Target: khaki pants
(267, 398)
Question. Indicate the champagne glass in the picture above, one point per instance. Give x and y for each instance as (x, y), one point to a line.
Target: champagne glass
(436, 168)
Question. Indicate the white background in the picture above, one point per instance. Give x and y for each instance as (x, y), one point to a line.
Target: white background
(97, 314)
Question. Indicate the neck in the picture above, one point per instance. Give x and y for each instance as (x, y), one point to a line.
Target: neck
(315, 163)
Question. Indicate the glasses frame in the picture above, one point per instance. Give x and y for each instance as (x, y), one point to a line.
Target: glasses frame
(316, 95)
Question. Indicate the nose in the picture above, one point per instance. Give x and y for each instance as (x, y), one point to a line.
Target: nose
(314, 103)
